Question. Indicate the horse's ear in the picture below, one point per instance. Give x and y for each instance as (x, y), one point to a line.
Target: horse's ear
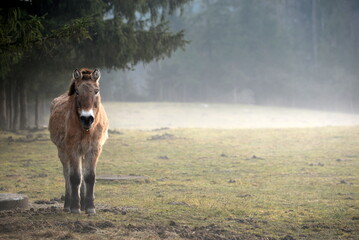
(77, 75)
(96, 75)
(72, 89)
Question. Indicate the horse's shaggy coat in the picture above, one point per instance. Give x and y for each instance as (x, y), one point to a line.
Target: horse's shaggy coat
(78, 127)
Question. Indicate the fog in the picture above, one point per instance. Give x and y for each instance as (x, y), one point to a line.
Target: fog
(149, 116)
(296, 54)
(247, 54)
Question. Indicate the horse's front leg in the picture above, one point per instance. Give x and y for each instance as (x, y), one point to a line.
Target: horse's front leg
(89, 174)
(75, 181)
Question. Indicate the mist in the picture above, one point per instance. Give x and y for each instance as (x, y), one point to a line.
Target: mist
(279, 53)
(296, 54)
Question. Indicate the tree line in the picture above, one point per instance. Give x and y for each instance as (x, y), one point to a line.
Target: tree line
(279, 52)
(42, 41)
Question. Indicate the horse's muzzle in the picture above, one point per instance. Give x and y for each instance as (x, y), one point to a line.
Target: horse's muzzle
(86, 121)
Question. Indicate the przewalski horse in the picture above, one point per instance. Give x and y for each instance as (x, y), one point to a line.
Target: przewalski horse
(78, 127)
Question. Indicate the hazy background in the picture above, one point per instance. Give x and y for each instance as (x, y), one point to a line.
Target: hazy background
(284, 53)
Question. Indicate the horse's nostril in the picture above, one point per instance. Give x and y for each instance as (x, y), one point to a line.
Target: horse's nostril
(91, 119)
(86, 120)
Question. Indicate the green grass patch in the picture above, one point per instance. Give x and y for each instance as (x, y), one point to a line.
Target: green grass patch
(267, 183)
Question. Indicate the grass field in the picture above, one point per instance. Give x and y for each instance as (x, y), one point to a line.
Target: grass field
(196, 183)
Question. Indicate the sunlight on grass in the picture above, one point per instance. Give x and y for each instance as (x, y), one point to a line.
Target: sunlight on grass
(266, 182)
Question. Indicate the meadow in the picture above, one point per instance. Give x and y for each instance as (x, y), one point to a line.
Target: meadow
(292, 179)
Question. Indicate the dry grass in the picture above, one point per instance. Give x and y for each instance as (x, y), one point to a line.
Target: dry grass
(294, 183)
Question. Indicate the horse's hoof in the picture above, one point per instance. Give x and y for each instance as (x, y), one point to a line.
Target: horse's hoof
(75, 210)
(90, 211)
(66, 209)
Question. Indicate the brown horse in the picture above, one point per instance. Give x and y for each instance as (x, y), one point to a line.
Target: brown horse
(78, 127)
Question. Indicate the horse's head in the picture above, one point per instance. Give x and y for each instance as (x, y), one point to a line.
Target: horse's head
(86, 90)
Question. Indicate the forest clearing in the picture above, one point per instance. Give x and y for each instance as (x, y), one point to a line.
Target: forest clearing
(232, 119)
(193, 183)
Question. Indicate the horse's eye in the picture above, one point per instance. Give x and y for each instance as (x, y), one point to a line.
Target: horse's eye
(96, 91)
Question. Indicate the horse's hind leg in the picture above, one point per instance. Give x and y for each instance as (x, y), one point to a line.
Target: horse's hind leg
(89, 169)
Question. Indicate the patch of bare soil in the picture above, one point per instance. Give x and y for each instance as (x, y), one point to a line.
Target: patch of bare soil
(85, 226)
(208, 232)
(46, 223)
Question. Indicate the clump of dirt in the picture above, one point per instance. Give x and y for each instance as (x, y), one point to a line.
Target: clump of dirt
(60, 199)
(115, 132)
(44, 202)
(41, 175)
(178, 203)
(254, 157)
(288, 237)
(245, 195)
(12, 175)
(31, 212)
(85, 226)
(344, 182)
(165, 136)
(315, 227)
(316, 164)
(26, 162)
(116, 210)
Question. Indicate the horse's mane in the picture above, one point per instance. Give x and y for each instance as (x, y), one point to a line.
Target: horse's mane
(86, 73)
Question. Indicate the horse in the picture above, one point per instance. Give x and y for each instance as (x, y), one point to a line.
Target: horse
(78, 127)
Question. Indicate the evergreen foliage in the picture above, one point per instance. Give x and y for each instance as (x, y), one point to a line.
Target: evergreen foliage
(41, 43)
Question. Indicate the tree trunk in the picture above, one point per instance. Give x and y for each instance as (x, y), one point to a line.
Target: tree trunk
(2, 106)
(23, 106)
(8, 106)
(15, 102)
(37, 110)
